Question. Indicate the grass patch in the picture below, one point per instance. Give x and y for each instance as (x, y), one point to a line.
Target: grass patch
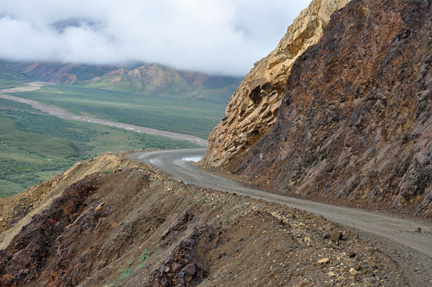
(145, 255)
(35, 146)
(139, 266)
(125, 273)
(108, 171)
(8, 188)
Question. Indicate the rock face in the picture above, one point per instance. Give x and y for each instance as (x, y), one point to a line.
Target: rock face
(35, 241)
(252, 110)
(356, 119)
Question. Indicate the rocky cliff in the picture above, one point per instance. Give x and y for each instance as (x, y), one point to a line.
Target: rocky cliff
(253, 109)
(355, 121)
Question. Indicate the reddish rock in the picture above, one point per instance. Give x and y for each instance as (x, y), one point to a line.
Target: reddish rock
(182, 267)
(24, 259)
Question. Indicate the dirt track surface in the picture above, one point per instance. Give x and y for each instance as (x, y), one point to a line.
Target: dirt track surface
(410, 242)
(61, 113)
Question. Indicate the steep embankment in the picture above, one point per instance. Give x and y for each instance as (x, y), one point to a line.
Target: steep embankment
(16, 211)
(125, 224)
(253, 109)
(355, 122)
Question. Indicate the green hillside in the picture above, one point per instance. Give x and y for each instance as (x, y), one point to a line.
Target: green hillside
(9, 77)
(166, 82)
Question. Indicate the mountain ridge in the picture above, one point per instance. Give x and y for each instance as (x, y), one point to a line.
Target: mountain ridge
(141, 78)
(165, 81)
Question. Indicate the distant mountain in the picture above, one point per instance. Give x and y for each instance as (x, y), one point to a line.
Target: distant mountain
(9, 76)
(160, 80)
(62, 25)
(148, 79)
(60, 73)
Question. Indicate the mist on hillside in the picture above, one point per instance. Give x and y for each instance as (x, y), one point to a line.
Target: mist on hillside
(218, 37)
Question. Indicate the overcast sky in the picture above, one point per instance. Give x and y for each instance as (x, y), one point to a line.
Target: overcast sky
(213, 36)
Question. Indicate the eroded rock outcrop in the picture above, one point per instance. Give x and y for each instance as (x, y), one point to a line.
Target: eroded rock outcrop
(23, 262)
(252, 110)
(356, 120)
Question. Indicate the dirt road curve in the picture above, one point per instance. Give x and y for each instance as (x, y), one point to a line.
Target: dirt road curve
(61, 113)
(397, 235)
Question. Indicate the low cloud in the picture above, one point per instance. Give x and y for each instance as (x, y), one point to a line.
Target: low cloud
(214, 36)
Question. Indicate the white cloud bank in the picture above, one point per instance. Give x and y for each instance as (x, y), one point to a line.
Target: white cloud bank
(214, 36)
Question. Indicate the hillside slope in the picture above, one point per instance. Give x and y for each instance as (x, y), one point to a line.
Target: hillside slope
(154, 79)
(355, 121)
(114, 222)
(9, 77)
(62, 73)
(147, 79)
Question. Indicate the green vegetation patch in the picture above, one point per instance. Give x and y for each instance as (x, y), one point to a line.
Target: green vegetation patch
(189, 116)
(125, 273)
(35, 147)
(108, 171)
(10, 78)
(145, 255)
(12, 105)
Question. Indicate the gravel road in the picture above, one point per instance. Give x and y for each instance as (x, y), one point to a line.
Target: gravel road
(408, 242)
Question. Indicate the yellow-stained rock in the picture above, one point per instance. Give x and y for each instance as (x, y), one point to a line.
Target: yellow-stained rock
(265, 85)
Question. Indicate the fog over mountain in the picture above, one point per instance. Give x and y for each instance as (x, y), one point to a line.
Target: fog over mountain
(216, 36)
